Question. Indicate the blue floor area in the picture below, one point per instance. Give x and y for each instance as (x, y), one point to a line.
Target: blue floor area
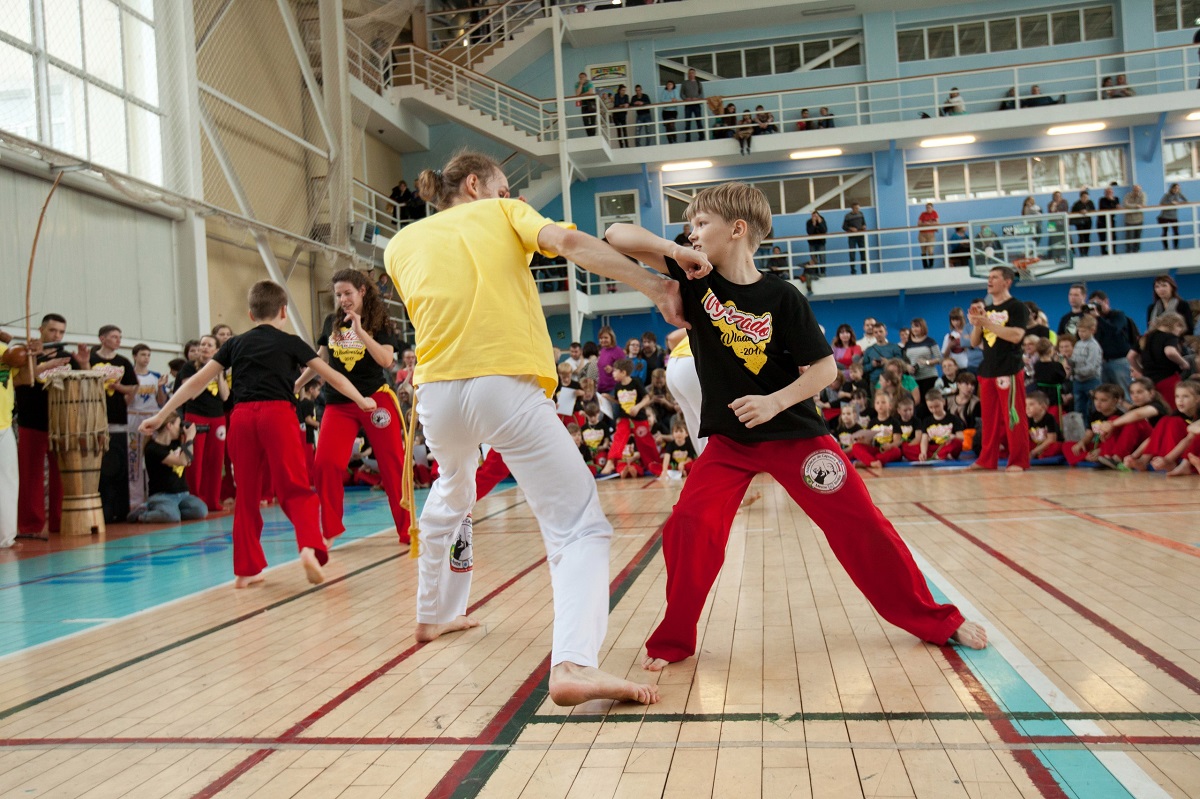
(50, 596)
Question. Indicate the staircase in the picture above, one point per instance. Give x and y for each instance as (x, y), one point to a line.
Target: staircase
(531, 179)
(501, 44)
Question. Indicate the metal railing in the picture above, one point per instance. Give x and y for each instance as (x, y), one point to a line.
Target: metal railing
(467, 36)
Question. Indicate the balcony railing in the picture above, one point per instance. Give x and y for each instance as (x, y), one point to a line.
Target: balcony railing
(467, 36)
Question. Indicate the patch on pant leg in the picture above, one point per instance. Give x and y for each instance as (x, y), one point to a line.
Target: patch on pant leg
(381, 417)
(824, 472)
(220, 432)
(462, 555)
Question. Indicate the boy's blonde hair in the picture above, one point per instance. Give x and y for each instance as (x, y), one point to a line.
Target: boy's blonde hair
(1086, 323)
(733, 201)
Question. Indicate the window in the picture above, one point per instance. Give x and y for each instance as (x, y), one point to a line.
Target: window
(1173, 15)
(1024, 175)
(1069, 26)
(82, 76)
(763, 58)
(790, 194)
(1179, 160)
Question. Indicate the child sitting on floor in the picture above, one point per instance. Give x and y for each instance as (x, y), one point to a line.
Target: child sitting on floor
(1105, 401)
(941, 432)
(1165, 449)
(847, 427)
(678, 454)
(1121, 437)
(1043, 429)
(878, 444)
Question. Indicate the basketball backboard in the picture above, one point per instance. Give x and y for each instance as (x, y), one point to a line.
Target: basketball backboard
(1032, 246)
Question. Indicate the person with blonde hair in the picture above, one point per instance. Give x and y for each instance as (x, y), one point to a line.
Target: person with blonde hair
(484, 375)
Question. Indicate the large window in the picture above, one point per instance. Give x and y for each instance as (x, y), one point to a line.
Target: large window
(789, 194)
(1173, 15)
(1017, 176)
(82, 76)
(750, 60)
(1001, 34)
(1181, 159)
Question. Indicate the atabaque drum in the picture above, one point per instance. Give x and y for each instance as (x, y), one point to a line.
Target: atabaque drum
(79, 436)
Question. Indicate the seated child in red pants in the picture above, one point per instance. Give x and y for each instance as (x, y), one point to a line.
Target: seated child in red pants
(878, 444)
(1121, 437)
(908, 433)
(597, 432)
(847, 427)
(1043, 428)
(1105, 399)
(751, 335)
(585, 451)
(629, 412)
(262, 432)
(1165, 449)
(679, 454)
(942, 432)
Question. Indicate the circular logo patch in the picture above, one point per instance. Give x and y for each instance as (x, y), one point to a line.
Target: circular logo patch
(824, 472)
(381, 417)
(1003, 383)
(462, 554)
(220, 432)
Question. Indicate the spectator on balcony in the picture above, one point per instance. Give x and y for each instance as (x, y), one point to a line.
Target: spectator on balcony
(777, 263)
(744, 131)
(1009, 102)
(954, 105)
(669, 94)
(960, 248)
(684, 239)
(824, 118)
(401, 197)
(816, 229)
(1037, 99)
(620, 115)
(1082, 222)
(586, 91)
(1122, 88)
(1135, 200)
(1106, 90)
(764, 122)
(854, 223)
(1169, 217)
(927, 235)
(1058, 243)
(643, 117)
(692, 92)
(1106, 219)
(805, 122)
(724, 124)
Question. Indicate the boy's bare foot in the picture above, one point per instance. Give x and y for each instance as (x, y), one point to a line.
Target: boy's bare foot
(1182, 470)
(1138, 464)
(1194, 460)
(876, 464)
(608, 468)
(572, 684)
(1161, 464)
(429, 632)
(975, 467)
(655, 664)
(1014, 469)
(970, 634)
(312, 566)
(246, 582)
(749, 500)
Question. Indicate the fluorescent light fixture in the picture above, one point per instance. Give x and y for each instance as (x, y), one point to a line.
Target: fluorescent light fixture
(1192, 117)
(679, 166)
(818, 12)
(828, 152)
(946, 141)
(1082, 127)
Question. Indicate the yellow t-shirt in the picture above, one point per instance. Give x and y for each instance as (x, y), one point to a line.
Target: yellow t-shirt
(683, 349)
(7, 392)
(463, 274)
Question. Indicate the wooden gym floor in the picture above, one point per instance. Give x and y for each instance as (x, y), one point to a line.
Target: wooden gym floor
(1087, 580)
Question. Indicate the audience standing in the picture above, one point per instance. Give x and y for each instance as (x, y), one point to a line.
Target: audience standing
(1135, 200)
(855, 223)
(669, 94)
(1169, 217)
(999, 328)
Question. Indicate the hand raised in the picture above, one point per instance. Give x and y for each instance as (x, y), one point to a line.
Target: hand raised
(693, 262)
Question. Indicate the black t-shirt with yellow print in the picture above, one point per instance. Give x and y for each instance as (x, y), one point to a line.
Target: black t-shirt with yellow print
(208, 402)
(163, 478)
(751, 339)
(348, 356)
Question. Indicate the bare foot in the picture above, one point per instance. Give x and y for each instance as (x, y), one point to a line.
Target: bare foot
(975, 467)
(1135, 463)
(428, 632)
(1161, 464)
(749, 500)
(1182, 470)
(312, 566)
(1014, 469)
(572, 684)
(655, 664)
(970, 634)
(1194, 460)
(246, 582)
(876, 464)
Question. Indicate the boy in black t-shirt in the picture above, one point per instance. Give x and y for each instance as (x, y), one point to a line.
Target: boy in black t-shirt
(1043, 429)
(630, 415)
(941, 432)
(167, 454)
(1105, 407)
(751, 334)
(264, 432)
(999, 328)
(679, 454)
(585, 451)
(597, 431)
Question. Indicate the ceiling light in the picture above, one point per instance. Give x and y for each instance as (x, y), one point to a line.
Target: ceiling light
(828, 152)
(1192, 117)
(946, 141)
(679, 166)
(818, 12)
(1082, 127)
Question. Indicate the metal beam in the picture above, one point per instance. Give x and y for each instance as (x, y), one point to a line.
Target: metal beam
(212, 26)
(829, 54)
(310, 79)
(845, 183)
(679, 66)
(260, 237)
(262, 120)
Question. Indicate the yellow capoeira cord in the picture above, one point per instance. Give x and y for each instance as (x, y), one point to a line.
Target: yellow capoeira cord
(408, 429)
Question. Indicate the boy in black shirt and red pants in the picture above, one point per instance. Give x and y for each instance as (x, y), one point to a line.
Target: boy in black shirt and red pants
(761, 359)
(999, 328)
(264, 431)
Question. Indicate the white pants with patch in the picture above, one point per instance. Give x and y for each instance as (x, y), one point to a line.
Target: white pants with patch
(684, 385)
(513, 415)
(8, 487)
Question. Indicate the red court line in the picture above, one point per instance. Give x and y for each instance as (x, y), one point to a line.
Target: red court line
(1177, 672)
(1036, 770)
(226, 779)
(1142, 535)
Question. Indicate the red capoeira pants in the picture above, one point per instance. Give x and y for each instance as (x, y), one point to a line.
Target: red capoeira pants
(1166, 436)
(264, 433)
(204, 475)
(820, 478)
(1125, 439)
(489, 474)
(642, 439)
(339, 428)
(1166, 387)
(867, 454)
(33, 450)
(228, 487)
(998, 398)
(1074, 458)
(1051, 450)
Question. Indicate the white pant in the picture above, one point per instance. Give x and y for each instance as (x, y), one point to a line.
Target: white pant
(8, 487)
(513, 415)
(684, 385)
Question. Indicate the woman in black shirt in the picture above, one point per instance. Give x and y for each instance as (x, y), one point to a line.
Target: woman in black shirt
(207, 412)
(1162, 355)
